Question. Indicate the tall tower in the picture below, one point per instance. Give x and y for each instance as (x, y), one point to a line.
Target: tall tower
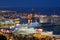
(31, 16)
(33, 12)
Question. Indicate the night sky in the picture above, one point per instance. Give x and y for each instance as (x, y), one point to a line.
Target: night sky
(29, 4)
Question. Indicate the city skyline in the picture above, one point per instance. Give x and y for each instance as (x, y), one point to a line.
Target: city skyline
(46, 11)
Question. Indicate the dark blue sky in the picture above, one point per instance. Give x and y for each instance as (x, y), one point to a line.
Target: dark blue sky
(47, 6)
(30, 3)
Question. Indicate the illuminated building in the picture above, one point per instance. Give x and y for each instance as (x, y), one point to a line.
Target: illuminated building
(7, 23)
(36, 17)
(43, 18)
(29, 18)
(17, 20)
(55, 19)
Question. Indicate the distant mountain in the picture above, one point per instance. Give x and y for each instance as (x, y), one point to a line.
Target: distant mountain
(45, 10)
